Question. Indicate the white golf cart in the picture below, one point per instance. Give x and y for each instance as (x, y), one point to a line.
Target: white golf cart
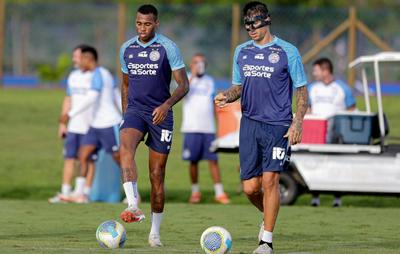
(346, 164)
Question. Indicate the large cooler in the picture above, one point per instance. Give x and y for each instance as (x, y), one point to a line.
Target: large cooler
(352, 128)
(314, 130)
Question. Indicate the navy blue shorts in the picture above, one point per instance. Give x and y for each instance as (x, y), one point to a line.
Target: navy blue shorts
(72, 143)
(159, 137)
(103, 138)
(262, 148)
(196, 147)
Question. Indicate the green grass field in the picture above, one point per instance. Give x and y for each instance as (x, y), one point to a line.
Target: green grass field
(30, 170)
(37, 227)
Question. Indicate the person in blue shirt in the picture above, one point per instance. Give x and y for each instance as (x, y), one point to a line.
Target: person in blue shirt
(266, 69)
(148, 61)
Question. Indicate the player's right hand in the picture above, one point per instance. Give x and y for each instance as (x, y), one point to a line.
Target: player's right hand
(220, 100)
(62, 131)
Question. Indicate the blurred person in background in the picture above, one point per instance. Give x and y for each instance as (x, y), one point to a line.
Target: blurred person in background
(198, 127)
(78, 84)
(148, 62)
(102, 96)
(328, 96)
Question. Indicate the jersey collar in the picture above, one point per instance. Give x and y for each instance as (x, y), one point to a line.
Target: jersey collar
(274, 40)
(145, 45)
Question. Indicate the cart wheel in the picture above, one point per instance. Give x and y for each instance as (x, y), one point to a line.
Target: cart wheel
(288, 188)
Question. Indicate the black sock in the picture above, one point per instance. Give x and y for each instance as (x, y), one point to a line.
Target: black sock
(269, 244)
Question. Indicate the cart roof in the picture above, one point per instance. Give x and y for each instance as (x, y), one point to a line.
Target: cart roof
(389, 56)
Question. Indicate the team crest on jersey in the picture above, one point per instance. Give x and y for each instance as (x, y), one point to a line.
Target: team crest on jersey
(273, 58)
(154, 55)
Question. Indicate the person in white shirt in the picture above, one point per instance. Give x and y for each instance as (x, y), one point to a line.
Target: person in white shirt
(198, 127)
(103, 96)
(78, 84)
(328, 96)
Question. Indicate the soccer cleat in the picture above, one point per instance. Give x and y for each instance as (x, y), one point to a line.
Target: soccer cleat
(154, 241)
(195, 198)
(263, 249)
(222, 199)
(132, 214)
(58, 198)
(261, 232)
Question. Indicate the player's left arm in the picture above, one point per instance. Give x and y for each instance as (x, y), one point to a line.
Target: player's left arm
(298, 76)
(296, 129)
(181, 79)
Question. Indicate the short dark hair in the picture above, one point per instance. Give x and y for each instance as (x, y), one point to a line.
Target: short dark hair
(255, 6)
(324, 63)
(90, 50)
(80, 46)
(148, 9)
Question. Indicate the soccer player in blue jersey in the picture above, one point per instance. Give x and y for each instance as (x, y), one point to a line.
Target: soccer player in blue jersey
(265, 71)
(148, 61)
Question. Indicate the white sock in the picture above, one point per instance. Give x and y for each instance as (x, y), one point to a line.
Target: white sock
(155, 223)
(195, 187)
(131, 193)
(86, 190)
(80, 182)
(218, 189)
(267, 237)
(65, 189)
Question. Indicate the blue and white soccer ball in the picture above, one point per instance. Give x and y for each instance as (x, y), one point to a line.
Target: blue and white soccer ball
(216, 240)
(111, 234)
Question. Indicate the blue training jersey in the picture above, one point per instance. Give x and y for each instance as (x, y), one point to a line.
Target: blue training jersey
(149, 67)
(268, 74)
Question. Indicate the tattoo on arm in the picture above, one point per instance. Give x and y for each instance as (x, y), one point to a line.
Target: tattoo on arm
(182, 89)
(124, 91)
(302, 103)
(233, 93)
